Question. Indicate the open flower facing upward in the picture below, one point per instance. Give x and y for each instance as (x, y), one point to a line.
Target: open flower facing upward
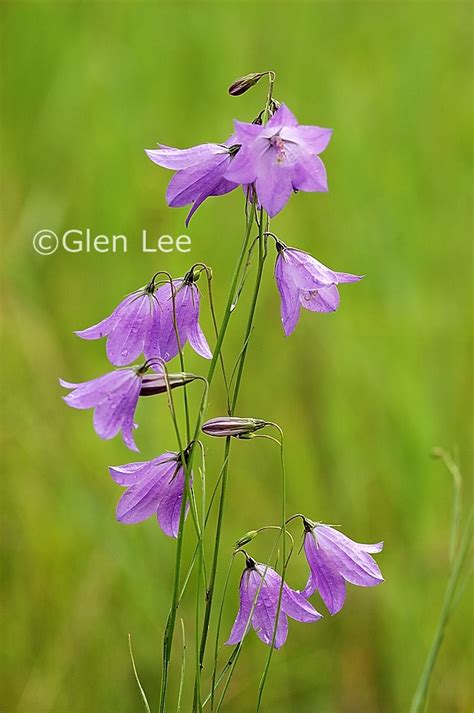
(113, 397)
(184, 315)
(259, 595)
(131, 329)
(334, 559)
(279, 157)
(154, 487)
(302, 281)
(199, 172)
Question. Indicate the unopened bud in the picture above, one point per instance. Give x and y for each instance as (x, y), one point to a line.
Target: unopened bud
(243, 84)
(232, 426)
(248, 537)
(159, 383)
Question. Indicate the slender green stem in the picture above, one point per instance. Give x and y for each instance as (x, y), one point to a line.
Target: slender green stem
(169, 631)
(220, 514)
(230, 306)
(283, 572)
(218, 631)
(187, 496)
(183, 669)
(261, 264)
(457, 497)
(419, 699)
(137, 679)
(231, 297)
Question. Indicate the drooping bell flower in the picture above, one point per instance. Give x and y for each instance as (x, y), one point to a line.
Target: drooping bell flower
(199, 172)
(114, 397)
(225, 426)
(259, 595)
(183, 315)
(154, 487)
(335, 559)
(132, 328)
(302, 281)
(279, 157)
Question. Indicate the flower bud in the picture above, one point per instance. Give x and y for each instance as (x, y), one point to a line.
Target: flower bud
(232, 426)
(159, 384)
(243, 84)
(248, 537)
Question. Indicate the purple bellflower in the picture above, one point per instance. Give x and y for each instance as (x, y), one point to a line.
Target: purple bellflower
(279, 157)
(114, 398)
(334, 559)
(154, 487)
(183, 315)
(302, 281)
(199, 172)
(259, 596)
(132, 328)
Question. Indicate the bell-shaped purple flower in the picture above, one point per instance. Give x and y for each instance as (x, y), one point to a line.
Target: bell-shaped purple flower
(199, 172)
(114, 398)
(304, 282)
(183, 315)
(334, 559)
(279, 157)
(259, 595)
(132, 328)
(154, 487)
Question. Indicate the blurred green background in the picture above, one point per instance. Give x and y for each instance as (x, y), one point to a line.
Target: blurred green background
(362, 395)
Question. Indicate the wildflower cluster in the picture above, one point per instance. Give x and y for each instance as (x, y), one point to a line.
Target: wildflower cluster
(270, 158)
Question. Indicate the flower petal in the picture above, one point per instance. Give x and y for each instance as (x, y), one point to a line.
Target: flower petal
(178, 159)
(282, 117)
(196, 336)
(106, 325)
(264, 616)
(293, 603)
(130, 473)
(290, 305)
(169, 505)
(184, 313)
(127, 339)
(241, 622)
(322, 300)
(88, 394)
(99, 330)
(324, 578)
(313, 139)
(308, 171)
(355, 565)
(187, 185)
(140, 501)
(116, 412)
(347, 277)
(273, 183)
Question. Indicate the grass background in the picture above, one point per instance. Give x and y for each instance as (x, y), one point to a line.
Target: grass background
(363, 395)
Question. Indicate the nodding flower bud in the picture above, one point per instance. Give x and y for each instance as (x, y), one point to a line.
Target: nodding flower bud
(232, 426)
(248, 537)
(159, 383)
(243, 84)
